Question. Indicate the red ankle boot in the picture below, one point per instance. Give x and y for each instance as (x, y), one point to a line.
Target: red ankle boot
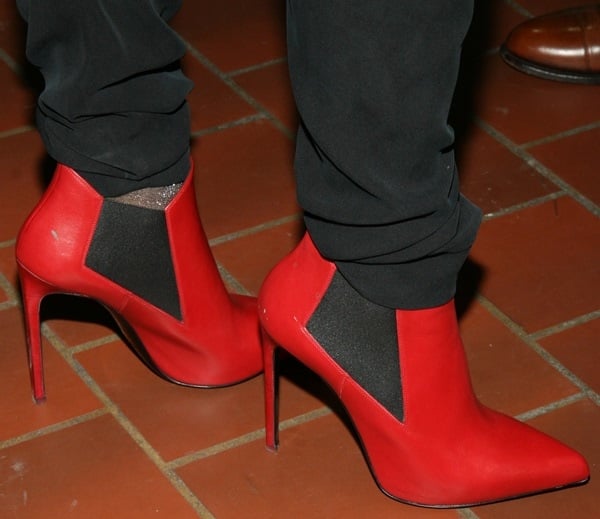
(152, 269)
(403, 378)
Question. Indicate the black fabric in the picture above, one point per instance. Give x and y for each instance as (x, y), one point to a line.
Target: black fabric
(361, 337)
(113, 105)
(131, 247)
(373, 82)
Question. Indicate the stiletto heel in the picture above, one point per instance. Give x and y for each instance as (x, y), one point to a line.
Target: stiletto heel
(271, 393)
(33, 291)
(152, 269)
(403, 378)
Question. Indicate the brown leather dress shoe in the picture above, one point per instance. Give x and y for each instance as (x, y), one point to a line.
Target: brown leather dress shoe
(564, 45)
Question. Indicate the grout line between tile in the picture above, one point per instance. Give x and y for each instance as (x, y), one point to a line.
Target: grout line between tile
(238, 90)
(253, 230)
(246, 438)
(258, 66)
(227, 125)
(87, 417)
(127, 425)
(517, 7)
(13, 297)
(571, 323)
(467, 513)
(216, 449)
(524, 205)
(553, 406)
(561, 135)
(90, 345)
(538, 166)
(232, 281)
(542, 352)
(12, 64)
(7, 243)
(16, 131)
(5, 305)
(304, 418)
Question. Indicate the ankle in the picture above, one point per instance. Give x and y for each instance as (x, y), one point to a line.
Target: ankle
(150, 197)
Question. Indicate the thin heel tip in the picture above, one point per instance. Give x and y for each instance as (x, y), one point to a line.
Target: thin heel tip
(39, 399)
(272, 448)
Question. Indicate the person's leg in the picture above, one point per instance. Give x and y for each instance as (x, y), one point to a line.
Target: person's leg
(119, 222)
(365, 300)
(113, 105)
(375, 163)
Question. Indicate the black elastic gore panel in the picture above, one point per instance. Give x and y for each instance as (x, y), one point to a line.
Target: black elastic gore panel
(131, 247)
(361, 337)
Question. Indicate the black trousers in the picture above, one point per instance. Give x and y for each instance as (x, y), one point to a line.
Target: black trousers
(373, 82)
(113, 106)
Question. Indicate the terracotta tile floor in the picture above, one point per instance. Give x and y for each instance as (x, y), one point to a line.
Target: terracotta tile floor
(113, 440)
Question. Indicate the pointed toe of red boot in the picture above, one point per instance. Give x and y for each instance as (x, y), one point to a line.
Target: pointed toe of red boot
(538, 462)
(506, 459)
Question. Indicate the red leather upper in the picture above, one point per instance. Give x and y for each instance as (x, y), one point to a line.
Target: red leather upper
(217, 342)
(449, 450)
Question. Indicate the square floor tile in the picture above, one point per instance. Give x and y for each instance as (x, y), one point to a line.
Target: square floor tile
(250, 258)
(525, 108)
(17, 102)
(578, 348)
(12, 31)
(244, 178)
(4, 296)
(495, 178)
(21, 160)
(270, 86)
(9, 292)
(212, 102)
(178, 420)
(8, 265)
(67, 395)
(234, 34)
(507, 375)
(575, 160)
(318, 472)
(89, 470)
(541, 264)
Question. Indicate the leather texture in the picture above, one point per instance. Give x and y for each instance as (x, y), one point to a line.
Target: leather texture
(448, 450)
(217, 340)
(563, 45)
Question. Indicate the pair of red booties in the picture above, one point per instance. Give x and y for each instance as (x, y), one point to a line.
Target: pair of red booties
(428, 441)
